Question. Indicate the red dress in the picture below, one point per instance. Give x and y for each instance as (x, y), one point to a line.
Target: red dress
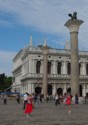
(29, 107)
(68, 100)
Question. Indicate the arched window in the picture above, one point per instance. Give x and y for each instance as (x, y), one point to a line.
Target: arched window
(49, 67)
(59, 68)
(38, 90)
(80, 90)
(49, 89)
(60, 91)
(68, 68)
(69, 90)
(38, 64)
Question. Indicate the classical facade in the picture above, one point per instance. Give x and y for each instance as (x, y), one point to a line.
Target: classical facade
(28, 70)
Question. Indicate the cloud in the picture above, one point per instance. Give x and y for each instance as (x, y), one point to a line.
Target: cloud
(6, 62)
(47, 16)
(5, 23)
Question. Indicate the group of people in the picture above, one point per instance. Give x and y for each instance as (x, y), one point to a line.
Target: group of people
(29, 99)
(67, 100)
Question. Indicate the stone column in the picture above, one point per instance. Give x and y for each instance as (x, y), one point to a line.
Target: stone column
(73, 26)
(64, 69)
(30, 66)
(23, 72)
(62, 64)
(84, 90)
(54, 89)
(41, 68)
(33, 66)
(54, 67)
(84, 68)
(45, 74)
(64, 90)
(32, 88)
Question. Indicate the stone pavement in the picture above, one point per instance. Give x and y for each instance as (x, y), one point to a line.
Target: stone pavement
(44, 114)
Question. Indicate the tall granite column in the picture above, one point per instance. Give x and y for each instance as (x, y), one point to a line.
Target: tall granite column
(73, 26)
(45, 74)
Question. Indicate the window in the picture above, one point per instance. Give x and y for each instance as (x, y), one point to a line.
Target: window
(38, 64)
(49, 67)
(59, 68)
(68, 68)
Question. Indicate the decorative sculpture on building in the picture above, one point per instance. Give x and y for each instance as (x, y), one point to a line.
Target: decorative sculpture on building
(74, 16)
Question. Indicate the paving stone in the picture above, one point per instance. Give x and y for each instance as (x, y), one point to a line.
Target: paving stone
(44, 114)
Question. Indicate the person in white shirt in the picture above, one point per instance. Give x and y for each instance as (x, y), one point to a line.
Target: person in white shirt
(25, 100)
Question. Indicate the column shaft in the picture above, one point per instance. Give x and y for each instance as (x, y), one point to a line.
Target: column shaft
(74, 64)
(45, 74)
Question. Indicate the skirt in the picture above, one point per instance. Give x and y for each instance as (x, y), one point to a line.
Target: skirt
(28, 109)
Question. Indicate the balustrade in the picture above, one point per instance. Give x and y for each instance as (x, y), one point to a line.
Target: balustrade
(34, 75)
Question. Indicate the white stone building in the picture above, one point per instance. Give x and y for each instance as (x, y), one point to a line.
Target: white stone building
(28, 71)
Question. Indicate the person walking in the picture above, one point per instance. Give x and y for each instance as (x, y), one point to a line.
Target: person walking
(5, 99)
(29, 105)
(24, 100)
(56, 99)
(76, 100)
(68, 103)
(18, 98)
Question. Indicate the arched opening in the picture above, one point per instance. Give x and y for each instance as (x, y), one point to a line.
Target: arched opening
(59, 68)
(49, 89)
(80, 90)
(69, 90)
(60, 91)
(49, 68)
(38, 90)
(38, 64)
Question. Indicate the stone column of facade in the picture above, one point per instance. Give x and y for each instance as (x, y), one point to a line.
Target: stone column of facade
(22, 91)
(73, 26)
(54, 67)
(64, 69)
(51, 67)
(41, 68)
(81, 66)
(54, 89)
(62, 64)
(84, 68)
(32, 88)
(23, 71)
(33, 66)
(45, 74)
(84, 90)
(30, 66)
(64, 90)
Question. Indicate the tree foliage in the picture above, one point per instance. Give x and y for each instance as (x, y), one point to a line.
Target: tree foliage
(5, 82)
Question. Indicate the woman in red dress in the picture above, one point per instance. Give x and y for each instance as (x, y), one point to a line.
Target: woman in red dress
(68, 102)
(29, 106)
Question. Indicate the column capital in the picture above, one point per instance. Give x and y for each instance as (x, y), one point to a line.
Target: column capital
(73, 25)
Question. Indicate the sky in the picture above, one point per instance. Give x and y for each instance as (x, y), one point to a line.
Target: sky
(43, 19)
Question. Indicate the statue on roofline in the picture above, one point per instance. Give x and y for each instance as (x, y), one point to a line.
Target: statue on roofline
(74, 16)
